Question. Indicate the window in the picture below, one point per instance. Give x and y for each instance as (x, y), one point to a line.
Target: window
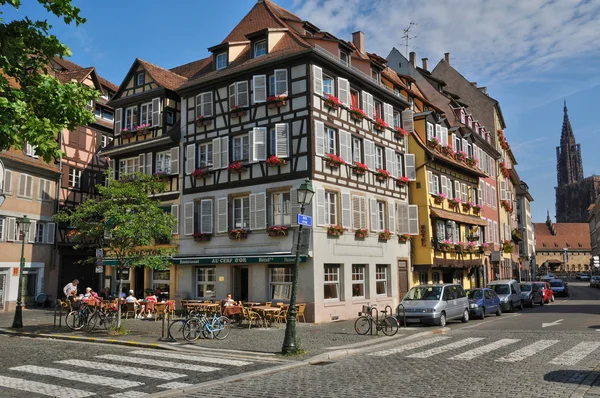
(397, 122)
(39, 233)
(379, 157)
(399, 169)
(163, 162)
(378, 109)
(488, 194)
(238, 95)
(494, 198)
(358, 281)
(131, 117)
(170, 117)
(221, 61)
(496, 232)
(204, 104)
(44, 190)
(331, 208)
(205, 282)
(356, 150)
(280, 208)
(140, 79)
(489, 234)
(330, 138)
(354, 98)
(423, 278)
(281, 283)
(381, 279)
(240, 148)
(464, 193)
(98, 111)
(435, 277)
(161, 279)
(25, 186)
(462, 116)
(345, 58)
(480, 194)
(331, 282)
(241, 213)
(108, 115)
(328, 86)
(128, 166)
(381, 217)
(105, 140)
(260, 48)
(146, 113)
(205, 154)
(375, 75)
(75, 178)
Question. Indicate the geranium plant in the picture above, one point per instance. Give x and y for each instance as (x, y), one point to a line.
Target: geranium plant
(485, 247)
(357, 113)
(402, 181)
(360, 168)
(467, 206)
(235, 167)
(433, 143)
(332, 101)
(400, 133)
(201, 237)
(200, 172)
(277, 230)
(446, 245)
(274, 160)
(361, 233)
(461, 155)
(334, 160)
(476, 208)
(439, 198)
(239, 233)
(202, 121)
(448, 150)
(336, 230)
(454, 202)
(506, 205)
(380, 124)
(385, 235)
(471, 161)
(403, 238)
(382, 175)
(279, 99)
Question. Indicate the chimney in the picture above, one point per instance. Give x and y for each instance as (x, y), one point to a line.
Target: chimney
(447, 58)
(474, 84)
(358, 39)
(424, 60)
(483, 89)
(413, 58)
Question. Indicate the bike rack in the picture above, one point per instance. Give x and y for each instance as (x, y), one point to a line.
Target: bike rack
(376, 317)
(58, 308)
(404, 324)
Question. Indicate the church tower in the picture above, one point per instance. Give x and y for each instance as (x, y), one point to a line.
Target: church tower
(568, 155)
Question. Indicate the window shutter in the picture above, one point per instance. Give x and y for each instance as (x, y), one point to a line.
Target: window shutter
(465, 143)
(32, 231)
(242, 93)
(22, 184)
(112, 169)
(430, 181)
(252, 211)
(413, 219)
(190, 158)
(402, 216)
(188, 218)
(260, 211)
(29, 187)
(156, 111)
(141, 163)
(224, 151)
(445, 136)
(319, 138)
(281, 140)
(222, 215)
(50, 234)
(356, 212)
(295, 206)
(345, 148)
(438, 132)
(409, 160)
(391, 219)
(369, 154)
(149, 163)
(321, 207)
(502, 190)
(232, 99)
(346, 210)
(175, 214)
(456, 189)
(480, 194)
(445, 184)
(41, 186)
(407, 121)
(11, 225)
(317, 80)
(175, 160)
(494, 198)
(370, 105)
(374, 215)
(118, 123)
(388, 114)
(216, 160)
(207, 104)
(365, 101)
(259, 86)
(476, 154)
(206, 216)
(344, 91)
(390, 161)
(258, 144)
(281, 82)
(464, 192)
(398, 165)
(454, 143)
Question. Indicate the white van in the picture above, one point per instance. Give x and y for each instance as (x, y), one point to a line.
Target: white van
(509, 292)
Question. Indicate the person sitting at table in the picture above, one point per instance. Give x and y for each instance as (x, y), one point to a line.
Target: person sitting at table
(228, 302)
(136, 304)
(151, 298)
(88, 292)
(105, 293)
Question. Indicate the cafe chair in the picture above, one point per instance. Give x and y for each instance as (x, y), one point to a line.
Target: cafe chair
(159, 310)
(129, 309)
(300, 312)
(170, 308)
(250, 316)
(268, 304)
(281, 316)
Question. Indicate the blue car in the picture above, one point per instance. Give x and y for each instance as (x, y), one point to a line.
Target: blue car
(482, 302)
(559, 287)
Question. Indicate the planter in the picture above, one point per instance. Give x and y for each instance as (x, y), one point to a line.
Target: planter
(274, 161)
(438, 200)
(276, 104)
(357, 114)
(403, 238)
(238, 113)
(471, 162)
(453, 204)
(127, 135)
(381, 178)
(277, 231)
(236, 167)
(202, 237)
(332, 164)
(203, 122)
(331, 105)
(466, 207)
(361, 233)
(359, 172)
(238, 234)
(335, 230)
(476, 210)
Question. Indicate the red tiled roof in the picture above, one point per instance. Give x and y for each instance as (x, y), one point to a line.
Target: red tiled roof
(165, 78)
(259, 17)
(78, 75)
(192, 68)
(72, 66)
(18, 156)
(571, 235)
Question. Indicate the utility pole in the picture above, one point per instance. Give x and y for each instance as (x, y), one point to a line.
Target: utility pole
(407, 37)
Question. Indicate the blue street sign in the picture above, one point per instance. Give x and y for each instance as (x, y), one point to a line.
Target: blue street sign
(304, 220)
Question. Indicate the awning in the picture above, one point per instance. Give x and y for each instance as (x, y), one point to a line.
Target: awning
(462, 218)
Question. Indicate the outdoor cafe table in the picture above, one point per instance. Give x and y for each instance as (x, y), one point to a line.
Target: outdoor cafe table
(232, 310)
(204, 306)
(266, 310)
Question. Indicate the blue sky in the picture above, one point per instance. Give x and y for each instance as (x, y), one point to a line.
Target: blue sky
(530, 54)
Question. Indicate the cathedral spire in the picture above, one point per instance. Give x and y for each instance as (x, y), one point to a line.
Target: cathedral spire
(568, 154)
(567, 130)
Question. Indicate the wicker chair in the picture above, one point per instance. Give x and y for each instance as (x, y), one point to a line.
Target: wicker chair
(300, 312)
(130, 309)
(250, 316)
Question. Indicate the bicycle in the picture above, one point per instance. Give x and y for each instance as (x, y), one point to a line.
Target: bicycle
(177, 326)
(364, 324)
(107, 317)
(77, 319)
(218, 327)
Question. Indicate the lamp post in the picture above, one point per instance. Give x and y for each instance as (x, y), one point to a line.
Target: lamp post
(305, 195)
(24, 229)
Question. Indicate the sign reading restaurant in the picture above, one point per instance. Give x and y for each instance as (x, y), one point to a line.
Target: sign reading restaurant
(227, 260)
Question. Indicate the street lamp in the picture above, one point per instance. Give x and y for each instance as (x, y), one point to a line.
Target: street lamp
(305, 195)
(23, 226)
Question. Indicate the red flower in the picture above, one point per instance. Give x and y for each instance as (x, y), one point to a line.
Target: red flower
(401, 131)
(380, 124)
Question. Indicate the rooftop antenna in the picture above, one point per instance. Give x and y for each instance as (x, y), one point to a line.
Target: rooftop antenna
(407, 37)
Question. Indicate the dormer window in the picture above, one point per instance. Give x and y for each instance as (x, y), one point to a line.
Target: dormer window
(345, 58)
(411, 103)
(409, 84)
(462, 116)
(260, 48)
(375, 75)
(140, 79)
(221, 61)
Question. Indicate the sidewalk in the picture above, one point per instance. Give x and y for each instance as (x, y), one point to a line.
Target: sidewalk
(314, 339)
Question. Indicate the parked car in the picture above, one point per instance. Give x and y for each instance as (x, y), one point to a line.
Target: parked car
(483, 301)
(509, 292)
(436, 304)
(547, 292)
(595, 281)
(559, 287)
(531, 294)
(584, 277)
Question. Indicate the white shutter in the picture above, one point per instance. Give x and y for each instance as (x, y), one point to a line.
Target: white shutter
(142, 163)
(216, 160)
(11, 227)
(464, 193)
(242, 94)
(222, 215)
(190, 158)
(260, 210)
(430, 181)
(317, 80)
(365, 101)
(207, 104)
(390, 161)
(319, 138)
(50, 234)
(444, 186)
(464, 145)
(502, 190)
(391, 219)
(356, 212)
(411, 172)
(346, 210)
(295, 206)
(206, 215)
(344, 91)
(112, 169)
(476, 154)
(438, 132)
(258, 144)
(232, 99)
(259, 85)
(156, 111)
(281, 82)
(370, 105)
(149, 163)
(402, 216)
(175, 160)
(32, 231)
(369, 154)
(188, 218)
(374, 215)
(281, 140)
(8, 181)
(345, 146)
(454, 146)
(118, 123)
(407, 121)
(175, 214)
(413, 219)
(445, 136)
(321, 219)
(388, 114)
(251, 210)
(456, 189)
(224, 151)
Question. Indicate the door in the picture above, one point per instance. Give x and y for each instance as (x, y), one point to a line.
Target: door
(240, 284)
(139, 282)
(402, 279)
(490, 306)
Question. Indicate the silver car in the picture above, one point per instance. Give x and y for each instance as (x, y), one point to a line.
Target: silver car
(436, 304)
(509, 292)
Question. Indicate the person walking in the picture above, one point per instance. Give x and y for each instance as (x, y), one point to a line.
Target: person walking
(70, 288)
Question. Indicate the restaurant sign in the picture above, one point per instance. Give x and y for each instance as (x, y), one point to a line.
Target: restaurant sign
(238, 260)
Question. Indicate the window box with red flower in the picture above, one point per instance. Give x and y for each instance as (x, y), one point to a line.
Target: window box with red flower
(201, 172)
(277, 230)
(461, 156)
(203, 121)
(335, 230)
(334, 161)
(446, 245)
(360, 168)
(275, 101)
(504, 170)
(460, 247)
(485, 248)
(471, 247)
(507, 246)
(439, 198)
(471, 162)
(237, 111)
(127, 133)
(448, 151)
(142, 129)
(476, 209)
(454, 202)
(502, 140)
(238, 233)
(201, 237)
(506, 205)
(274, 161)
(382, 175)
(433, 143)
(332, 102)
(361, 233)
(467, 206)
(384, 235)
(402, 181)
(400, 133)
(403, 238)
(380, 124)
(357, 114)
(236, 167)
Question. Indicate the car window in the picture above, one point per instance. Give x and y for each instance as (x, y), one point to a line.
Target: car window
(493, 294)
(487, 294)
(525, 287)
(474, 294)
(556, 284)
(500, 289)
(460, 292)
(424, 293)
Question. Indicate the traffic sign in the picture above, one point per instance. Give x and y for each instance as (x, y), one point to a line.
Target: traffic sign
(99, 269)
(596, 261)
(304, 220)
(99, 253)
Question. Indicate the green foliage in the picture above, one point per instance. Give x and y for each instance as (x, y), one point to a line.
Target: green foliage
(34, 105)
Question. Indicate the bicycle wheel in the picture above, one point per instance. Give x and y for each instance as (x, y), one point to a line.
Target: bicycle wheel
(389, 326)
(362, 325)
(110, 319)
(221, 328)
(176, 329)
(191, 329)
(91, 322)
(75, 320)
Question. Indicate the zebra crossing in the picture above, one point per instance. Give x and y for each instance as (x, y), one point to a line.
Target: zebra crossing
(476, 347)
(135, 374)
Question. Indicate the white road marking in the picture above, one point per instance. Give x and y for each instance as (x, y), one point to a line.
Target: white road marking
(129, 394)
(193, 358)
(476, 352)
(555, 323)
(528, 351)
(156, 362)
(174, 385)
(89, 378)
(444, 348)
(576, 354)
(122, 369)
(406, 347)
(50, 390)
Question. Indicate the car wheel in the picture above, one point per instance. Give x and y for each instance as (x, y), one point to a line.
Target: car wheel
(465, 317)
(542, 302)
(482, 316)
(443, 319)
(499, 310)
(511, 309)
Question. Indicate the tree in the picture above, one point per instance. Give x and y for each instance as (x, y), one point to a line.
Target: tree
(34, 105)
(126, 222)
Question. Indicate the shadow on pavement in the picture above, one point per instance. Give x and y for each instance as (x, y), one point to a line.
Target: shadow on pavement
(571, 376)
